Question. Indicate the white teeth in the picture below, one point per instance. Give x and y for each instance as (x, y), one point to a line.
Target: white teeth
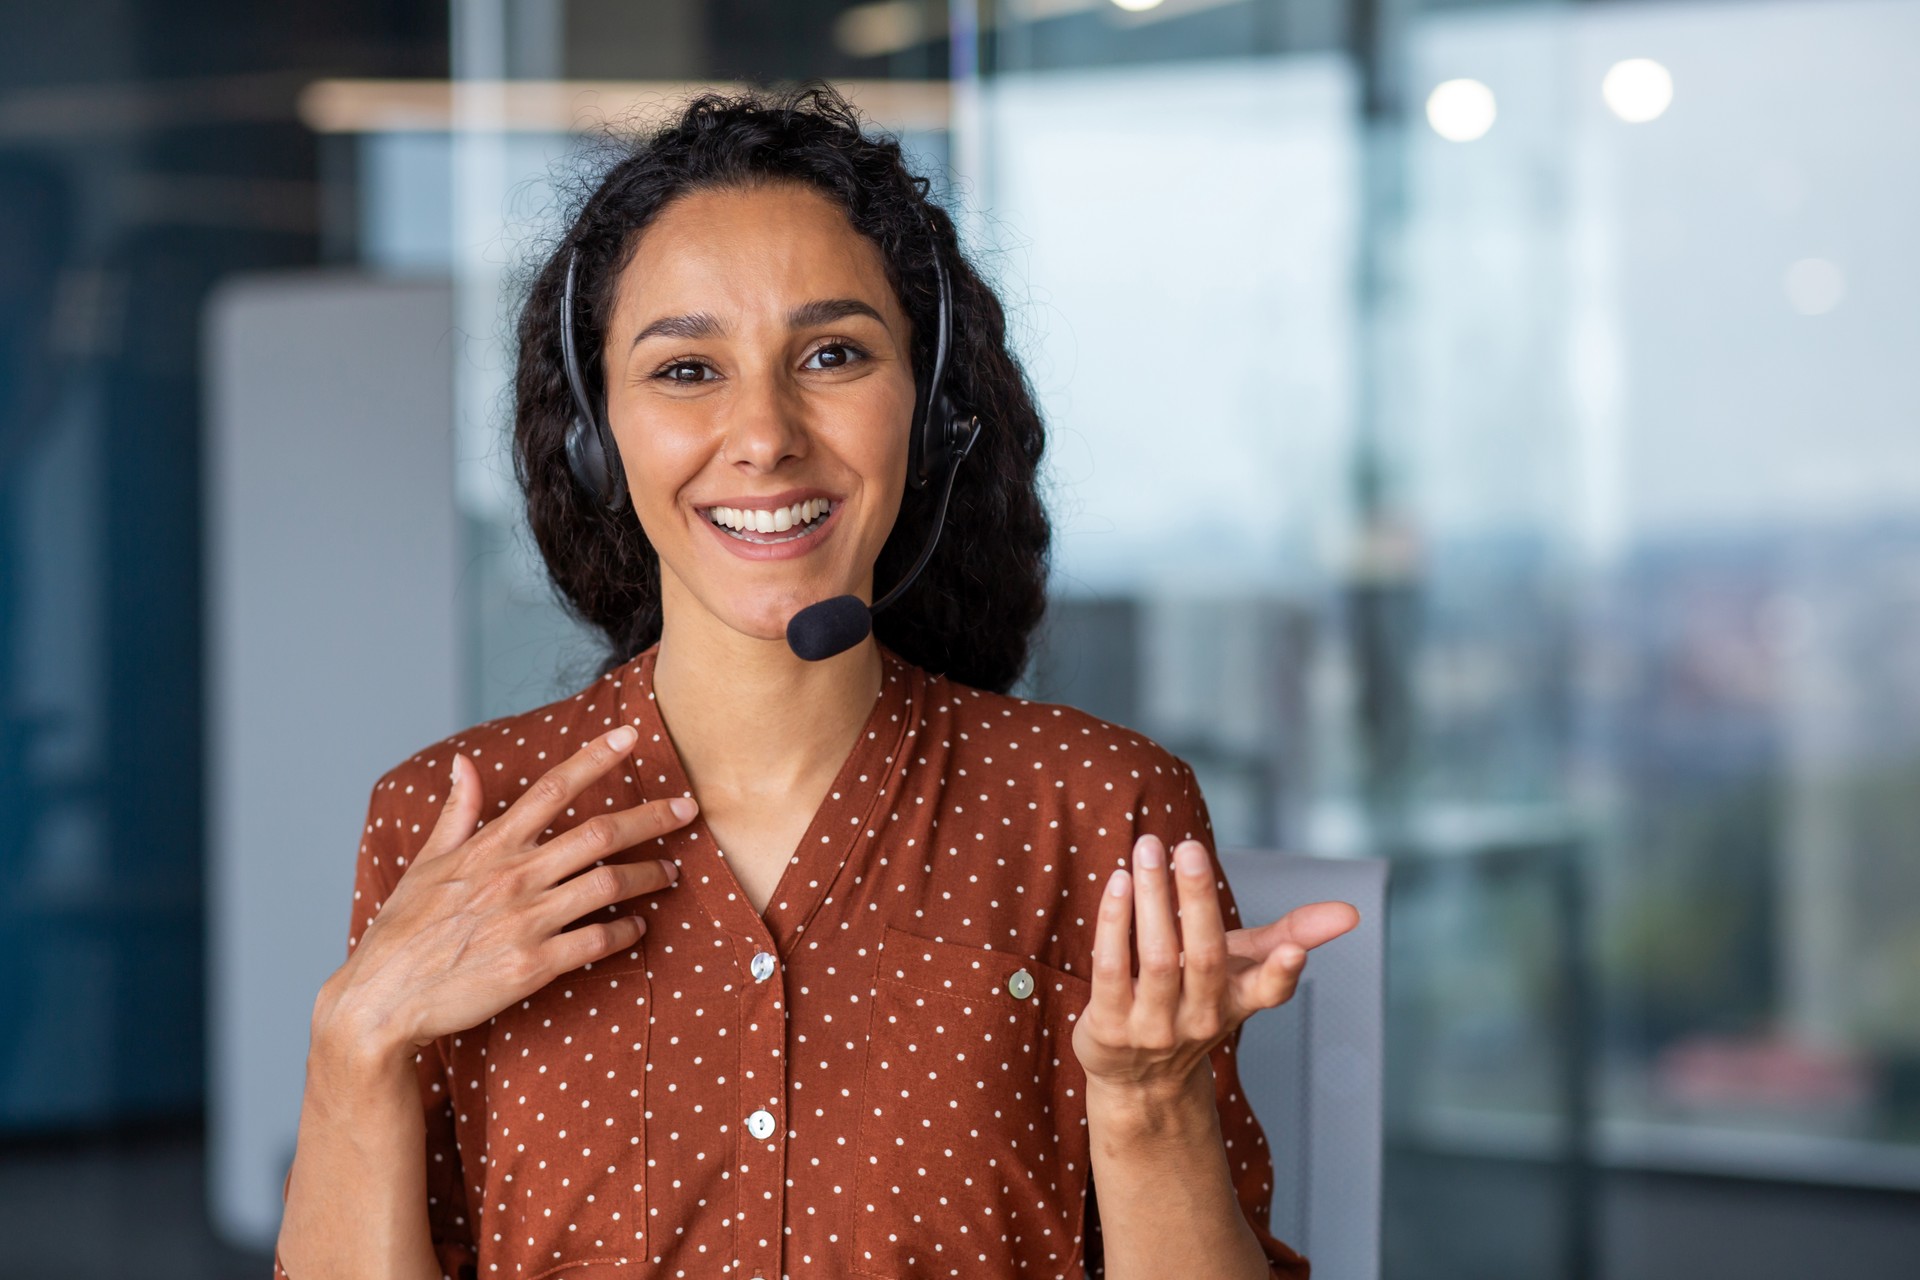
(763, 520)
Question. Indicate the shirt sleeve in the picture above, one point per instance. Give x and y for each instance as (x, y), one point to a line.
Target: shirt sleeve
(385, 844)
(1248, 1159)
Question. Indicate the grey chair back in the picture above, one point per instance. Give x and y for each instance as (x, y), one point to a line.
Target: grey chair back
(1313, 1068)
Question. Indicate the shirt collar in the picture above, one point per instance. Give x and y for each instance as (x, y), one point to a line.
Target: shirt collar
(848, 823)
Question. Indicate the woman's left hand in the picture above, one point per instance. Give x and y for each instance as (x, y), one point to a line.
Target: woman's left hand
(1197, 982)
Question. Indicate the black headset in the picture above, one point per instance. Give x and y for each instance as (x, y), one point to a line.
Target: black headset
(942, 437)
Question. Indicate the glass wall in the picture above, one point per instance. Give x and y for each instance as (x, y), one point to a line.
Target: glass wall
(1482, 436)
(149, 151)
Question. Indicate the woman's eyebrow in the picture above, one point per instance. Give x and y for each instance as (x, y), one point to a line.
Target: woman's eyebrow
(701, 324)
(697, 325)
(827, 310)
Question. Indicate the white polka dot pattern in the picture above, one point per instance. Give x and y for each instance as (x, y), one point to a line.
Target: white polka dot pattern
(969, 1169)
(919, 1118)
(564, 1157)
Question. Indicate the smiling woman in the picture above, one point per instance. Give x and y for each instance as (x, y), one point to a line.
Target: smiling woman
(738, 963)
(676, 249)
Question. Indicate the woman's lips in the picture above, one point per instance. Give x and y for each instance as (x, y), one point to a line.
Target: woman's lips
(784, 550)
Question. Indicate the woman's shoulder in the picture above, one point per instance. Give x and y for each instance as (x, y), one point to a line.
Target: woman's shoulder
(1053, 734)
(1067, 770)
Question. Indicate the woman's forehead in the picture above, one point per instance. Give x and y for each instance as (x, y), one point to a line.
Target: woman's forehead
(763, 248)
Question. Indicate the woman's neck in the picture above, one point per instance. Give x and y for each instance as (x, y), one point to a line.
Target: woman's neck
(749, 719)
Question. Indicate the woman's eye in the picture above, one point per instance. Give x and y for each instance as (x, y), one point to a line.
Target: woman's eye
(672, 372)
(838, 355)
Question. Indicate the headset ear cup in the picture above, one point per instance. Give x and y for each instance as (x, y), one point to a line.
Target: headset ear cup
(917, 453)
(923, 451)
(940, 435)
(591, 454)
(963, 430)
(613, 473)
(935, 439)
(583, 457)
(593, 470)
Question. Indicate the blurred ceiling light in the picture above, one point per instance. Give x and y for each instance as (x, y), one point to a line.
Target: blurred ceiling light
(1017, 11)
(875, 30)
(1136, 6)
(1638, 90)
(573, 106)
(1461, 110)
(1815, 286)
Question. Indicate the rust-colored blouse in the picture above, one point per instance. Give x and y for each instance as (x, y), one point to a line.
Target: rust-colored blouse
(875, 1078)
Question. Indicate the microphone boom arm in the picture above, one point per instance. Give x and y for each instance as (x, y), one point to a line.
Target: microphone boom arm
(939, 519)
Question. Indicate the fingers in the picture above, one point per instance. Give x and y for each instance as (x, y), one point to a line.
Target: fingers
(1271, 982)
(603, 836)
(1304, 927)
(1155, 936)
(459, 814)
(1112, 997)
(1191, 992)
(555, 789)
(1203, 935)
(568, 951)
(601, 887)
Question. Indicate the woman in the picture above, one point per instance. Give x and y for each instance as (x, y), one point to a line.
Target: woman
(851, 988)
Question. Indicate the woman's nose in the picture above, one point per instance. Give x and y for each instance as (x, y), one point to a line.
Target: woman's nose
(767, 425)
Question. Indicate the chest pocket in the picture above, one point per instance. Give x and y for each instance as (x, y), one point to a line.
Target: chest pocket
(973, 1141)
(566, 1135)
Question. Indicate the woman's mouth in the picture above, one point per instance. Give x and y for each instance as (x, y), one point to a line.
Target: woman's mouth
(771, 526)
(781, 524)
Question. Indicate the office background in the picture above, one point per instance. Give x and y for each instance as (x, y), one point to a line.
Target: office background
(1484, 435)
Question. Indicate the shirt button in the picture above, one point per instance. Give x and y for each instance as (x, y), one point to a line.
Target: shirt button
(760, 1124)
(762, 966)
(1020, 984)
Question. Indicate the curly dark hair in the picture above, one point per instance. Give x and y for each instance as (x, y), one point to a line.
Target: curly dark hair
(971, 614)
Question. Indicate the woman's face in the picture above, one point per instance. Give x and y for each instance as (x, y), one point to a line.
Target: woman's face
(758, 361)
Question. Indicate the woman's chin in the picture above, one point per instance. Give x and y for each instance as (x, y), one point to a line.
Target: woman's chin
(767, 620)
(754, 610)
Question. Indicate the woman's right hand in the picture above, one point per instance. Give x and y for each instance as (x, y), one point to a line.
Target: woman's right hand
(476, 921)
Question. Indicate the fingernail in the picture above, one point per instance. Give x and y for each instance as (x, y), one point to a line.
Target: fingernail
(1190, 858)
(683, 807)
(672, 868)
(1117, 883)
(453, 783)
(1146, 855)
(623, 737)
